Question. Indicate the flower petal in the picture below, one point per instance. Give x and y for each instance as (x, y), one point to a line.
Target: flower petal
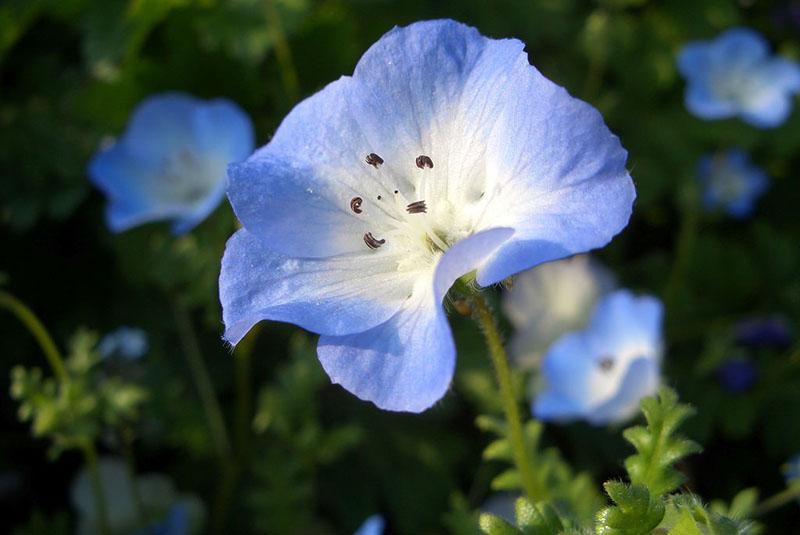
(641, 380)
(333, 296)
(406, 363)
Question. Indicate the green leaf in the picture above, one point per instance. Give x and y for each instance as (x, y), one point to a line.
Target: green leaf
(494, 525)
(685, 526)
(537, 519)
(636, 511)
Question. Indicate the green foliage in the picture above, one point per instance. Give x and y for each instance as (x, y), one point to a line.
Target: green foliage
(658, 447)
(687, 515)
(531, 519)
(636, 511)
(76, 411)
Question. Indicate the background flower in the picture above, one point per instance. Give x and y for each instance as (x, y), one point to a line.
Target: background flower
(731, 182)
(735, 75)
(127, 342)
(170, 162)
(600, 374)
(371, 526)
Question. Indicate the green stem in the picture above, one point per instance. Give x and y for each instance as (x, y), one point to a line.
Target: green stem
(202, 381)
(90, 454)
(37, 329)
(283, 52)
(778, 500)
(684, 247)
(486, 319)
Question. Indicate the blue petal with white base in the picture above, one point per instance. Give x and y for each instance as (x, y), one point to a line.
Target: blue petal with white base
(371, 526)
(441, 136)
(735, 75)
(601, 373)
(731, 182)
(170, 163)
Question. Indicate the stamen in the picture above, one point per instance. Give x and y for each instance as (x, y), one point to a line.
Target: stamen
(371, 242)
(374, 160)
(605, 364)
(417, 207)
(355, 204)
(424, 161)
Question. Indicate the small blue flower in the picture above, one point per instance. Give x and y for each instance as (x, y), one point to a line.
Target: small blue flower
(731, 182)
(791, 470)
(601, 373)
(371, 526)
(445, 153)
(170, 162)
(737, 375)
(128, 342)
(764, 332)
(735, 75)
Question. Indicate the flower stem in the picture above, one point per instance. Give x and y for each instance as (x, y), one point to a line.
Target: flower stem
(687, 235)
(485, 318)
(283, 52)
(778, 500)
(90, 455)
(37, 329)
(202, 380)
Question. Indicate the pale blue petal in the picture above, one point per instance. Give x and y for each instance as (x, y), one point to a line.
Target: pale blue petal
(330, 296)
(566, 368)
(771, 109)
(622, 318)
(407, 363)
(641, 380)
(371, 526)
(703, 103)
(693, 59)
(739, 45)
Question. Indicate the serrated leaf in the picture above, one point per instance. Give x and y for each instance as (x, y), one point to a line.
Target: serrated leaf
(636, 512)
(499, 450)
(685, 526)
(494, 525)
(507, 480)
(537, 519)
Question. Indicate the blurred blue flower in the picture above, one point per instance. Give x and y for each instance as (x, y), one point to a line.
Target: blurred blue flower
(170, 162)
(545, 302)
(444, 154)
(371, 526)
(601, 373)
(176, 523)
(127, 342)
(737, 375)
(731, 182)
(735, 75)
(791, 470)
(764, 332)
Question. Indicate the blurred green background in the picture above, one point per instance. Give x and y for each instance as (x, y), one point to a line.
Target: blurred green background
(314, 459)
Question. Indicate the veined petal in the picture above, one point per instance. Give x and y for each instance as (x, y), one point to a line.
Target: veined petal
(406, 363)
(330, 296)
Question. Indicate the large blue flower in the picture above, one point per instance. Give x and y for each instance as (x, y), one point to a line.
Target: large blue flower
(170, 163)
(601, 373)
(445, 153)
(731, 182)
(735, 75)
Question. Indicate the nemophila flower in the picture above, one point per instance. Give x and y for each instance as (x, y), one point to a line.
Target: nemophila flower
(446, 153)
(126, 342)
(371, 526)
(601, 373)
(735, 75)
(771, 331)
(165, 510)
(731, 182)
(737, 375)
(550, 300)
(170, 162)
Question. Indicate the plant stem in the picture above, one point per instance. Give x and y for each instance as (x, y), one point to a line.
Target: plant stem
(486, 319)
(90, 454)
(684, 246)
(778, 500)
(37, 329)
(282, 52)
(202, 381)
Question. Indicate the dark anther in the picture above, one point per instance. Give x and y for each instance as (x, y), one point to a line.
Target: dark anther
(606, 363)
(371, 242)
(396, 192)
(379, 197)
(417, 207)
(424, 161)
(374, 160)
(355, 204)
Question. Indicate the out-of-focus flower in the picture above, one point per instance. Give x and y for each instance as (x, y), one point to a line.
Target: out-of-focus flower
(771, 331)
(127, 342)
(735, 75)
(371, 526)
(550, 300)
(129, 502)
(731, 182)
(737, 375)
(170, 162)
(791, 470)
(601, 373)
(446, 153)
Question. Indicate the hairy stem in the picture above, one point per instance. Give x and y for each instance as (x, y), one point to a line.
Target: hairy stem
(486, 320)
(282, 52)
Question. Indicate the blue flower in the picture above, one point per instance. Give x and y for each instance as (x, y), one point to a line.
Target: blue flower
(791, 470)
(764, 332)
(444, 154)
(601, 373)
(737, 375)
(371, 526)
(735, 75)
(127, 342)
(170, 163)
(731, 182)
